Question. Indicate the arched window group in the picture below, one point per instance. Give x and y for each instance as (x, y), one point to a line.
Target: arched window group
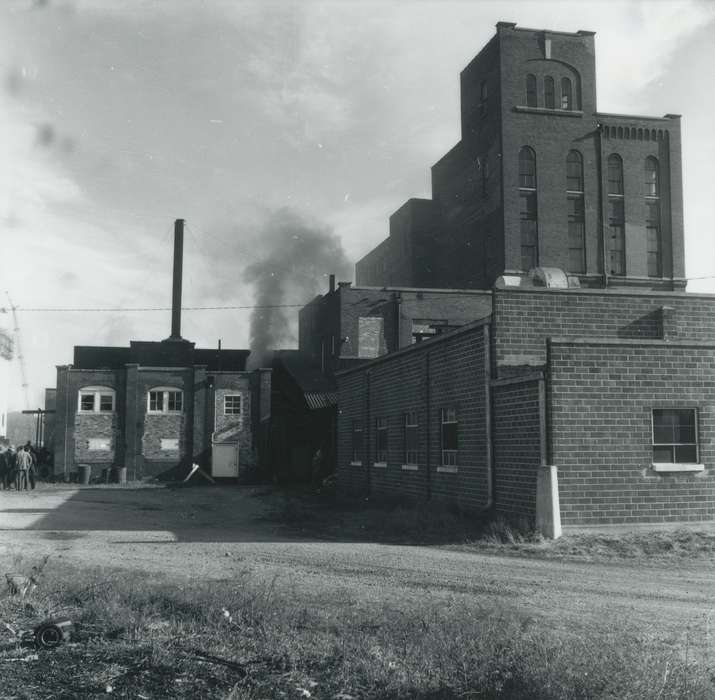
(96, 399)
(528, 223)
(568, 98)
(165, 399)
(576, 213)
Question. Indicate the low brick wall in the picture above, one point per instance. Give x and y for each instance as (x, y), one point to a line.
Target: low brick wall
(95, 426)
(517, 445)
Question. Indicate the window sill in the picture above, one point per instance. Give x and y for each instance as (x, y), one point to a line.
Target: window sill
(447, 470)
(409, 467)
(95, 413)
(544, 110)
(380, 465)
(164, 413)
(672, 467)
(355, 463)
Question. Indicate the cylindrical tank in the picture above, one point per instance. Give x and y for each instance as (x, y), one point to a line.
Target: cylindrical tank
(85, 472)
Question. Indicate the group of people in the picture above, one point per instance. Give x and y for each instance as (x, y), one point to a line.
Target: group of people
(18, 467)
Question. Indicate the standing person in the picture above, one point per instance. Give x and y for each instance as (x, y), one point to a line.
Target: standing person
(24, 463)
(32, 471)
(11, 459)
(4, 468)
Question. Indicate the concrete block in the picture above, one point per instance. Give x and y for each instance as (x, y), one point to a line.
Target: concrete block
(548, 513)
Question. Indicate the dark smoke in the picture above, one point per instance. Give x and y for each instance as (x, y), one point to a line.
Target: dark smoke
(294, 262)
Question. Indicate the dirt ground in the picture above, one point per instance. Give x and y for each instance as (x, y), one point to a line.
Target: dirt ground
(228, 533)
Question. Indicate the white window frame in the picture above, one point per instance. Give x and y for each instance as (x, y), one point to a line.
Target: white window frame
(695, 466)
(97, 392)
(165, 391)
(238, 413)
(448, 457)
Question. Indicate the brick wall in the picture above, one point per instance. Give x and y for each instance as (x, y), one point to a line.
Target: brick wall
(89, 426)
(601, 394)
(446, 372)
(158, 427)
(232, 427)
(517, 444)
(524, 319)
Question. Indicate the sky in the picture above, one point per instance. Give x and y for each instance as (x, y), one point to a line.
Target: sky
(119, 116)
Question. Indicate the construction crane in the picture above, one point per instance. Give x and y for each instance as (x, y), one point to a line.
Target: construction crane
(18, 351)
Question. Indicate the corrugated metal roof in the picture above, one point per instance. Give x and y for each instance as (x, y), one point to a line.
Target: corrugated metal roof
(317, 400)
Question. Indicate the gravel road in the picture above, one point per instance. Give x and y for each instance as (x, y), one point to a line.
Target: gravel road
(231, 533)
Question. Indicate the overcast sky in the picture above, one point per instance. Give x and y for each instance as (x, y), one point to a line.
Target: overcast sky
(118, 116)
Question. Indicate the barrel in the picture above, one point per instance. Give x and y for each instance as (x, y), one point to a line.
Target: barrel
(85, 472)
(122, 475)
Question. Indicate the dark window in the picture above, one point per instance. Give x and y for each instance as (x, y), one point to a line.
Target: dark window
(566, 94)
(86, 402)
(615, 175)
(675, 435)
(232, 404)
(574, 172)
(549, 92)
(381, 440)
(529, 230)
(411, 438)
(531, 90)
(357, 441)
(652, 225)
(652, 184)
(449, 437)
(527, 168)
(577, 230)
(156, 401)
(106, 403)
(617, 243)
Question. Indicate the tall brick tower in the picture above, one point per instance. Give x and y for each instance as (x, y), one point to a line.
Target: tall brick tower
(541, 180)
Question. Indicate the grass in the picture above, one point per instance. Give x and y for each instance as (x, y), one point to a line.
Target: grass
(420, 523)
(254, 638)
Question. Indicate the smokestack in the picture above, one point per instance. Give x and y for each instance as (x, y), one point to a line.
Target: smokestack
(176, 289)
(332, 283)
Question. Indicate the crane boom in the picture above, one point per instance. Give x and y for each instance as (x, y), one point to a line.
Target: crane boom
(18, 351)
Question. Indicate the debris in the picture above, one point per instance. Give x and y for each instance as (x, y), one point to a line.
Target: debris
(19, 584)
(304, 692)
(109, 689)
(196, 468)
(51, 633)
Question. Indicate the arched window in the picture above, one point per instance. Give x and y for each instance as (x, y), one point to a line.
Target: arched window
(576, 213)
(574, 172)
(566, 94)
(652, 218)
(652, 184)
(527, 209)
(616, 216)
(96, 399)
(531, 100)
(549, 92)
(165, 399)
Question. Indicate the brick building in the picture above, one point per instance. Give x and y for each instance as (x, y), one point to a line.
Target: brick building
(616, 388)
(541, 178)
(157, 407)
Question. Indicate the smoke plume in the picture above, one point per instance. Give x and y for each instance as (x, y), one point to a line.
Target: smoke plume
(294, 261)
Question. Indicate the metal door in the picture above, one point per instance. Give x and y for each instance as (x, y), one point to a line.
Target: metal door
(224, 459)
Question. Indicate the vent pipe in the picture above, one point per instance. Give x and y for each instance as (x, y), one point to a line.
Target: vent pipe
(176, 289)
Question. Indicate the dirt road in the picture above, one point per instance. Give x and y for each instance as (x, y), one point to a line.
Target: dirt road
(228, 534)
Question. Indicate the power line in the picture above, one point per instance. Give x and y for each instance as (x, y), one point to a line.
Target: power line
(166, 308)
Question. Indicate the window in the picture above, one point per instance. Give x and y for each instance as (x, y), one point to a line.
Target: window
(232, 404)
(549, 92)
(652, 226)
(531, 90)
(411, 439)
(357, 442)
(574, 172)
(449, 437)
(616, 217)
(652, 185)
(566, 94)
(381, 440)
(96, 399)
(527, 209)
(615, 175)
(675, 436)
(423, 328)
(576, 213)
(165, 400)
(483, 97)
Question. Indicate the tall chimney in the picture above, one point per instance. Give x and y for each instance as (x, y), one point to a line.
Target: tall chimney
(176, 289)
(331, 283)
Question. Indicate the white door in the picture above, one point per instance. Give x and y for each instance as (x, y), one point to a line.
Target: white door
(224, 459)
